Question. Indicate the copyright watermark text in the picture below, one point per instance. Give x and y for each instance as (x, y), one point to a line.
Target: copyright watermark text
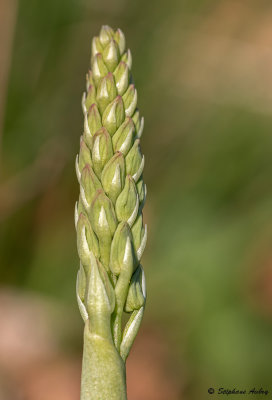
(230, 391)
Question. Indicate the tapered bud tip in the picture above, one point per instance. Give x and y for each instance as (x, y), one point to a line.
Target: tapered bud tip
(111, 54)
(83, 145)
(91, 108)
(86, 169)
(98, 193)
(122, 64)
(105, 35)
(89, 77)
(120, 39)
(128, 123)
(109, 75)
(81, 218)
(101, 131)
(117, 154)
(90, 88)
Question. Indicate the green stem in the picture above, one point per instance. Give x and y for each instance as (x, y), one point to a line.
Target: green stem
(103, 370)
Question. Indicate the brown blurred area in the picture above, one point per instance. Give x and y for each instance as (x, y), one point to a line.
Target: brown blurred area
(34, 366)
(202, 71)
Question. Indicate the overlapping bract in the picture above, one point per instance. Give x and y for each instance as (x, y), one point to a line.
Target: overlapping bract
(110, 233)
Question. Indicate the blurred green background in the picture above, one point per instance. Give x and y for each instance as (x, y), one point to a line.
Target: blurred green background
(203, 74)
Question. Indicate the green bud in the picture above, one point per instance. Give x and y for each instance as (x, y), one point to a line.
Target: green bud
(111, 55)
(122, 255)
(114, 115)
(99, 68)
(79, 208)
(135, 161)
(127, 58)
(127, 203)
(141, 189)
(84, 155)
(121, 75)
(113, 176)
(135, 297)
(101, 150)
(123, 138)
(89, 183)
(81, 283)
(139, 234)
(103, 215)
(89, 79)
(107, 284)
(96, 46)
(136, 119)
(90, 99)
(130, 100)
(138, 231)
(94, 121)
(104, 223)
(97, 297)
(106, 34)
(120, 39)
(86, 242)
(87, 136)
(106, 92)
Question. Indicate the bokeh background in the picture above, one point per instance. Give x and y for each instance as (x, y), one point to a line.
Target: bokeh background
(203, 74)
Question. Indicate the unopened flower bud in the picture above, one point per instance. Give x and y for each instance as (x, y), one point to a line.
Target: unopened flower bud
(138, 231)
(84, 155)
(94, 120)
(126, 204)
(81, 283)
(104, 223)
(105, 35)
(120, 39)
(111, 55)
(122, 256)
(91, 96)
(103, 215)
(86, 241)
(107, 284)
(135, 297)
(99, 68)
(99, 299)
(134, 160)
(141, 192)
(123, 138)
(80, 208)
(139, 123)
(114, 115)
(130, 100)
(89, 183)
(121, 75)
(113, 176)
(127, 58)
(101, 150)
(106, 92)
(96, 46)
(89, 79)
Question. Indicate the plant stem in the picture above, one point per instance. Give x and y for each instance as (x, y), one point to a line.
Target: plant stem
(103, 370)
